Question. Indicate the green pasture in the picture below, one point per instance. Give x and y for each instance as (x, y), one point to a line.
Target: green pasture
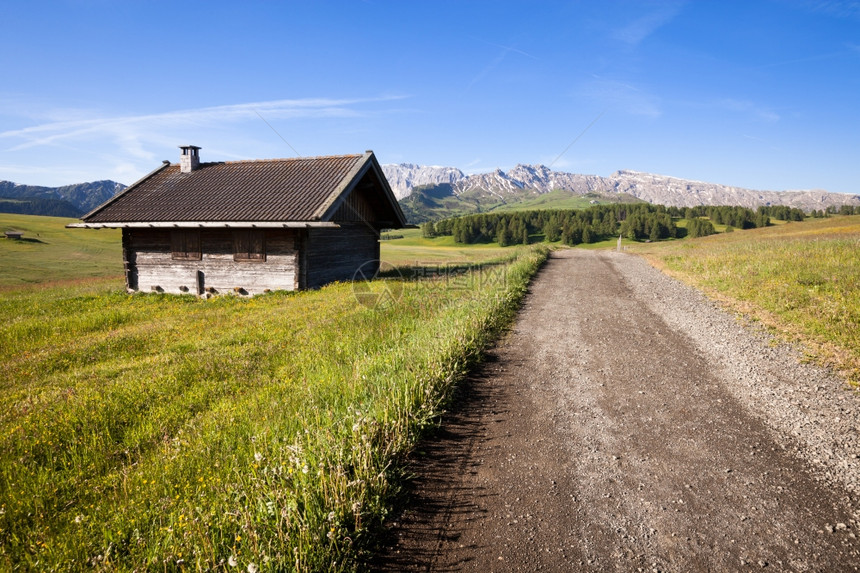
(556, 199)
(158, 432)
(49, 252)
(413, 249)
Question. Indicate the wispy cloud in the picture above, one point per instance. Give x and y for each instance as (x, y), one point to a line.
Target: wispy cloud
(849, 9)
(809, 59)
(496, 61)
(132, 131)
(622, 96)
(59, 146)
(635, 32)
(744, 106)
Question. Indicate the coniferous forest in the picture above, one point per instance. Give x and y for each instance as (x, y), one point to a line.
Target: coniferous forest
(639, 221)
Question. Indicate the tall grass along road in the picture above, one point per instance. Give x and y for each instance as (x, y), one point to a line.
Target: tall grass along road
(801, 279)
(629, 424)
(154, 432)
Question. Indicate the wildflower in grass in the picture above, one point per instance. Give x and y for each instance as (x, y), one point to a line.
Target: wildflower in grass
(232, 561)
(258, 456)
(252, 568)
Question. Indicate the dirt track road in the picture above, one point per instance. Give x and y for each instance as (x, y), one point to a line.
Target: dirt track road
(626, 424)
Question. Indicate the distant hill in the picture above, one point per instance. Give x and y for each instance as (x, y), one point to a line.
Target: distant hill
(66, 201)
(429, 192)
(433, 202)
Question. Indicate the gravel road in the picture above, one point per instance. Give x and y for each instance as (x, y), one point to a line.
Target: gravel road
(628, 424)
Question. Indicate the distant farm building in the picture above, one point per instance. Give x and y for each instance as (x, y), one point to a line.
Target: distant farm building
(251, 226)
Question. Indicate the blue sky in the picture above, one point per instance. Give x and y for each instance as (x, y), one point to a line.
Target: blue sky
(764, 95)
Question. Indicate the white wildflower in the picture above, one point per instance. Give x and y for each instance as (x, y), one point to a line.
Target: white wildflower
(258, 456)
(252, 568)
(232, 561)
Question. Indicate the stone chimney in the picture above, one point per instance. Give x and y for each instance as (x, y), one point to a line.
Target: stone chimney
(189, 160)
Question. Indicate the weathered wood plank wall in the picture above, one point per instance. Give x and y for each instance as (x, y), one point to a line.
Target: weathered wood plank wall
(150, 264)
(336, 254)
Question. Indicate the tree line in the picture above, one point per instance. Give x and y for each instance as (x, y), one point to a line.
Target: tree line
(639, 221)
(834, 210)
(731, 216)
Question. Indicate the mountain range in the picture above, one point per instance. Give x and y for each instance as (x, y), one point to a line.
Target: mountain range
(66, 201)
(428, 192)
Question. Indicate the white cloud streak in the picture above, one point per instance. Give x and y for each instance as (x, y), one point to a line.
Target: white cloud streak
(505, 50)
(751, 108)
(623, 97)
(76, 145)
(639, 29)
(130, 132)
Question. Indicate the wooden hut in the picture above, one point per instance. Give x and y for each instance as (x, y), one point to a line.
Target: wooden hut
(251, 226)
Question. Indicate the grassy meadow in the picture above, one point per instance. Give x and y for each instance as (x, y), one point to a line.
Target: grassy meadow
(51, 253)
(801, 279)
(158, 432)
(411, 249)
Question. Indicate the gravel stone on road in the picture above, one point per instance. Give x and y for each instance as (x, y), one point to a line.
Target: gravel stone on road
(627, 423)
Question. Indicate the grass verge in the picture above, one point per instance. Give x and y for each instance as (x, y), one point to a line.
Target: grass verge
(800, 279)
(142, 432)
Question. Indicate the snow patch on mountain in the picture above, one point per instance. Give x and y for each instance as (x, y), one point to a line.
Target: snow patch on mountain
(658, 189)
(404, 177)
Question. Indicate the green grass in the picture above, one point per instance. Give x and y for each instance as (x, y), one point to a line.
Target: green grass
(158, 432)
(801, 279)
(413, 249)
(560, 199)
(556, 199)
(50, 252)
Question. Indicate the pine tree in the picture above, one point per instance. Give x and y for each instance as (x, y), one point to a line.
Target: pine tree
(504, 236)
(586, 234)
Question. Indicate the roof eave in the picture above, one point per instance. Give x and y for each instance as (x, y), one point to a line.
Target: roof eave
(337, 196)
(327, 208)
(392, 198)
(206, 225)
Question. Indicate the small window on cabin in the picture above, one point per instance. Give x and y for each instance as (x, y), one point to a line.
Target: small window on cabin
(185, 245)
(249, 245)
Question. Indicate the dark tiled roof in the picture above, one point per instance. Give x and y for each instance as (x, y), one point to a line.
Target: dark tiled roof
(297, 189)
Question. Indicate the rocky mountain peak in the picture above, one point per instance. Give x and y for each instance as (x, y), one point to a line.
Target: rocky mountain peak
(653, 188)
